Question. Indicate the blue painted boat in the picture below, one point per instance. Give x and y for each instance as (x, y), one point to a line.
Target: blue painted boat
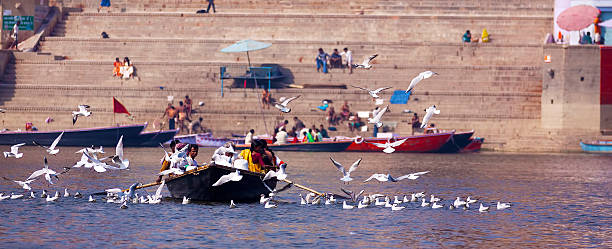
(101, 136)
(151, 139)
(336, 146)
(599, 146)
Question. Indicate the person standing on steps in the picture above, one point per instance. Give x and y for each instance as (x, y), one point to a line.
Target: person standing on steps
(15, 35)
(211, 3)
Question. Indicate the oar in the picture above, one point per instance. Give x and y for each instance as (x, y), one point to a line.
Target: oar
(303, 187)
(138, 187)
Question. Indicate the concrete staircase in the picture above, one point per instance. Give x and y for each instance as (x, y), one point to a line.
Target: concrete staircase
(494, 88)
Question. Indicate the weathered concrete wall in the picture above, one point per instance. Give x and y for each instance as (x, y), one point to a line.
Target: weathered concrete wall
(5, 58)
(571, 88)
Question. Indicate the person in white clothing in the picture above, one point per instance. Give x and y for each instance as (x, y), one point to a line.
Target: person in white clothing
(15, 36)
(249, 137)
(281, 136)
(349, 59)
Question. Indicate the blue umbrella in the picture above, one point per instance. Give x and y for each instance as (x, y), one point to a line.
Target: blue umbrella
(246, 46)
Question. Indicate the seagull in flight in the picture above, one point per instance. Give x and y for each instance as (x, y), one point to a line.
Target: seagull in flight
(23, 184)
(346, 175)
(118, 157)
(51, 149)
(418, 78)
(83, 111)
(97, 164)
(389, 147)
(373, 93)
(14, 151)
(282, 105)
(389, 178)
(275, 191)
(366, 62)
(430, 111)
(234, 176)
(376, 119)
(354, 197)
(44, 171)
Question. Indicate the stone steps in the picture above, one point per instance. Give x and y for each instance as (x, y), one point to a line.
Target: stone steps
(426, 28)
(293, 51)
(389, 7)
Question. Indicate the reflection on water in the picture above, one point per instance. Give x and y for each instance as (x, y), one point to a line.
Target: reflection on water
(557, 200)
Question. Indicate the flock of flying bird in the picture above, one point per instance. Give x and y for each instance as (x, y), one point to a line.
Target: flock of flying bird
(89, 159)
(282, 104)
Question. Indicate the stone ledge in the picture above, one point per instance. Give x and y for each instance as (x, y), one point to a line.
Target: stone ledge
(318, 16)
(297, 42)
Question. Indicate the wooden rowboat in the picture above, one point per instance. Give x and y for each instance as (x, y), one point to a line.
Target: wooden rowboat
(197, 185)
(335, 146)
(599, 146)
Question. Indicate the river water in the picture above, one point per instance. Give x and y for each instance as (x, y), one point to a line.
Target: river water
(558, 200)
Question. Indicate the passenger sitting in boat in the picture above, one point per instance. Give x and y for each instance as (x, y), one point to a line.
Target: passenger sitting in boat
(189, 163)
(281, 136)
(225, 155)
(166, 164)
(253, 156)
(271, 161)
(431, 129)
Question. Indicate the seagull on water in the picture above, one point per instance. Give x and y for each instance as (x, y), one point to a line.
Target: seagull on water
(470, 200)
(434, 199)
(346, 206)
(396, 207)
(44, 171)
(418, 78)
(185, 200)
(283, 102)
(14, 196)
(232, 205)
(376, 119)
(302, 201)
(435, 205)
(366, 62)
(118, 159)
(352, 195)
(458, 202)
(424, 203)
(483, 208)
(66, 194)
(234, 176)
(14, 151)
(155, 199)
(397, 200)
(373, 93)
(52, 198)
(4, 197)
(78, 195)
(362, 205)
(346, 175)
(269, 204)
(51, 149)
(83, 111)
(430, 111)
(32, 195)
(501, 206)
(389, 147)
(91, 199)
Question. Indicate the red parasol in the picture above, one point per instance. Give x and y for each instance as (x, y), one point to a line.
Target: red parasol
(577, 17)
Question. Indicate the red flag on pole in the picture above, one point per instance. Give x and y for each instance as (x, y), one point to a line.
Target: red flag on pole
(118, 107)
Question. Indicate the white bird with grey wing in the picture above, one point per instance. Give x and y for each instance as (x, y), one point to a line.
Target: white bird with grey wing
(83, 111)
(430, 111)
(14, 151)
(376, 119)
(44, 171)
(346, 175)
(366, 62)
(51, 149)
(389, 147)
(234, 177)
(282, 104)
(373, 93)
(419, 78)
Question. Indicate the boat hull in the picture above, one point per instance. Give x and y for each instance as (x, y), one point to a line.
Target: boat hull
(457, 142)
(151, 139)
(601, 146)
(197, 185)
(423, 143)
(102, 136)
(474, 145)
(308, 147)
